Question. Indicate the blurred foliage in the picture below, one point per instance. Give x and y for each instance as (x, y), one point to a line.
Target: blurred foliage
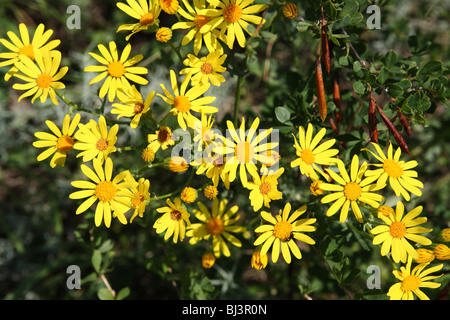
(407, 67)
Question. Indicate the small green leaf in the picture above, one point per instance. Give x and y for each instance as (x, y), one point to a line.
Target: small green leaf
(357, 66)
(283, 114)
(358, 87)
(123, 293)
(105, 294)
(430, 67)
(343, 61)
(383, 75)
(96, 260)
(394, 90)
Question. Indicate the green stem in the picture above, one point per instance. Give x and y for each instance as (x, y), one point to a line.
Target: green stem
(237, 99)
(171, 194)
(74, 106)
(177, 51)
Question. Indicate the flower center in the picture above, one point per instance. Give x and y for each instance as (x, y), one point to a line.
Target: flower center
(307, 156)
(65, 143)
(232, 13)
(138, 107)
(101, 144)
(136, 202)
(410, 283)
(182, 104)
(392, 168)
(282, 230)
(147, 19)
(244, 151)
(175, 215)
(215, 226)
(28, 51)
(200, 20)
(206, 68)
(116, 69)
(164, 134)
(352, 191)
(44, 80)
(264, 188)
(105, 191)
(397, 229)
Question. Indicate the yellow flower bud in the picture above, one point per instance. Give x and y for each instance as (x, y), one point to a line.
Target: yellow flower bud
(188, 195)
(385, 211)
(163, 34)
(290, 10)
(258, 261)
(442, 252)
(445, 234)
(211, 192)
(176, 164)
(148, 154)
(424, 255)
(208, 260)
(315, 188)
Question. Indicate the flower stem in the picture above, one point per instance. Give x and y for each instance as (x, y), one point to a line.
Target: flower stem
(177, 51)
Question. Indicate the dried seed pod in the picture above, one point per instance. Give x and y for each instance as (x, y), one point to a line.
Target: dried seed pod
(324, 46)
(404, 123)
(398, 137)
(321, 91)
(373, 131)
(337, 100)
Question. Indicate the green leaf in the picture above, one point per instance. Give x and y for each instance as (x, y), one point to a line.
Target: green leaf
(430, 67)
(390, 59)
(105, 294)
(123, 293)
(96, 260)
(283, 114)
(303, 26)
(383, 75)
(358, 87)
(343, 61)
(357, 66)
(394, 90)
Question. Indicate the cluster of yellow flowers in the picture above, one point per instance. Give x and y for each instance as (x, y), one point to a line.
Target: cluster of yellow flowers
(243, 153)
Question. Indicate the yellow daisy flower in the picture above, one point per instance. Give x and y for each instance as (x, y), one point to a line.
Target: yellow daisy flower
(196, 21)
(173, 221)
(60, 143)
(112, 196)
(184, 101)
(311, 154)
(95, 141)
(140, 197)
(264, 189)
(118, 71)
(23, 46)
(214, 167)
(41, 77)
(203, 132)
(205, 70)
(218, 224)
(282, 232)
(243, 149)
(169, 6)
(396, 232)
(162, 138)
(232, 17)
(147, 12)
(411, 281)
(132, 105)
(351, 190)
(401, 178)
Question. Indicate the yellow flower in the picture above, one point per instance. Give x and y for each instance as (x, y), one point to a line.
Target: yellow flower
(259, 261)
(442, 252)
(208, 260)
(311, 154)
(112, 196)
(132, 105)
(290, 10)
(42, 77)
(146, 13)
(60, 143)
(203, 132)
(169, 6)
(243, 149)
(184, 101)
(411, 281)
(232, 17)
(445, 234)
(282, 232)
(173, 221)
(211, 192)
(23, 46)
(162, 138)
(396, 232)
(351, 191)
(424, 255)
(264, 189)
(385, 211)
(188, 195)
(315, 188)
(196, 21)
(205, 70)
(163, 34)
(218, 224)
(118, 71)
(140, 196)
(148, 155)
(95, 141)
(401, 178)
(177, 164)
(214, 168)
